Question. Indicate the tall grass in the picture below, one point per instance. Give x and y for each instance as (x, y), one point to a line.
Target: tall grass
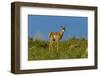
(69, 49)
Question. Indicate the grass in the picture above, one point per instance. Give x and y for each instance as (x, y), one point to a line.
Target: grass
(72, 48)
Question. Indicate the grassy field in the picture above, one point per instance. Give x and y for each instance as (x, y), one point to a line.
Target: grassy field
(72, 48)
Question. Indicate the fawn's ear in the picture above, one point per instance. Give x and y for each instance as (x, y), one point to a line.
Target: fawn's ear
(61, 26)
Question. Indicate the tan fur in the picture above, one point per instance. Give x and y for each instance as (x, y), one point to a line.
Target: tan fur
(55, 37)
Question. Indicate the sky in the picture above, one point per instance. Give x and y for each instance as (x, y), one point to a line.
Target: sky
(42, 25)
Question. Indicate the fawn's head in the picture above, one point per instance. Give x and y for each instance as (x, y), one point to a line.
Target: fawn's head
(63, 28)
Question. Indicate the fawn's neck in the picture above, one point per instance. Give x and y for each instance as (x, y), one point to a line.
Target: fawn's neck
(61, 34)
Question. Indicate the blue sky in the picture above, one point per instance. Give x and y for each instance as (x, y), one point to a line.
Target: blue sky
(44, 24)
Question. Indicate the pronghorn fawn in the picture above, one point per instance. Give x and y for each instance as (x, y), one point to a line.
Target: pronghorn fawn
(56, 37)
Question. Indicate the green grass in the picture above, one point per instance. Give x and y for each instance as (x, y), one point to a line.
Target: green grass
(72, 48)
